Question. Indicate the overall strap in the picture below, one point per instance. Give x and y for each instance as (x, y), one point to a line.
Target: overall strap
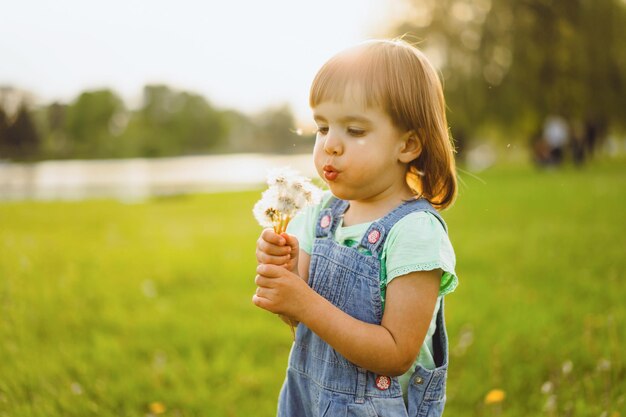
(329, 217)
(376, 234)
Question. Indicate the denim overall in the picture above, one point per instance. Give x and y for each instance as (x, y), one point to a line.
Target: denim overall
(320, 381)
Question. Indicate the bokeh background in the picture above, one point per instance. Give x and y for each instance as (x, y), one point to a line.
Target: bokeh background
(134, 140)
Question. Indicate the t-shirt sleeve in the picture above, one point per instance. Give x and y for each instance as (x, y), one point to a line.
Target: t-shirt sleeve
(418, 242)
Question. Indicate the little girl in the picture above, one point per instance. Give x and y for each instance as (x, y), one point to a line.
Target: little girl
(364, 272)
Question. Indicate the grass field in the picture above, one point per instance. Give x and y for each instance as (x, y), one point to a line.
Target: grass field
(112, 309)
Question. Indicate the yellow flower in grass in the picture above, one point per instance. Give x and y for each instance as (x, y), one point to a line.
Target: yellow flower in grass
(495, 396)
(157, 408)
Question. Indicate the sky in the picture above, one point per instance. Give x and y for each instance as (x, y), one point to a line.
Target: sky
(247, 55)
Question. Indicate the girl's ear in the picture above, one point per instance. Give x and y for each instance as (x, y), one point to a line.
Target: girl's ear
(411, 147)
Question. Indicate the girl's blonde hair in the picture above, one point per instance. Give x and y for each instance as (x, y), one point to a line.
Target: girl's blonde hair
(398, 78)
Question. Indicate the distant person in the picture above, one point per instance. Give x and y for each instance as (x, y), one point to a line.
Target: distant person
(364, 272)
(539, 149)
(556, 135)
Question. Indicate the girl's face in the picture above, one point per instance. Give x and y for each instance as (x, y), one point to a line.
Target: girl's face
(357, 148)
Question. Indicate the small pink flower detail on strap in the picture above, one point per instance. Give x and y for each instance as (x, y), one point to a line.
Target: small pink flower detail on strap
(383, 382)
(325, 222)
(373, 236)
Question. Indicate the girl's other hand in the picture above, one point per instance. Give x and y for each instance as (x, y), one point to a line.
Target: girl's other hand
(281, 292)
(275, 249)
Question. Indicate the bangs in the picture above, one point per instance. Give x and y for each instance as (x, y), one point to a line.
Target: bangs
(354, 70)
(377, 72)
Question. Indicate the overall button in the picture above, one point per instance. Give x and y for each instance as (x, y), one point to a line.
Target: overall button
(383, 382)
(419, 380)
(325, 221)
(373, 236)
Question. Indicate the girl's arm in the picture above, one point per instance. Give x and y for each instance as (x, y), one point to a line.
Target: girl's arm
(387, 349)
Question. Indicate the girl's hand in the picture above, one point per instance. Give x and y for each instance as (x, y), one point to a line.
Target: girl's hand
(281, 291)
(275, 249)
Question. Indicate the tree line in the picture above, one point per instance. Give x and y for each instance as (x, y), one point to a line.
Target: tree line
(98, 124)
(508, 65)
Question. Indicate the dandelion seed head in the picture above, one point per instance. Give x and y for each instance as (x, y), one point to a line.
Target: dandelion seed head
(271, 213)
(280, 176)
(547, 387)
(551, 403)
(149, 289)
(286, 205)
(288, 193)
(264, 212)
(567, 367)
(76, 388)
(603, 365)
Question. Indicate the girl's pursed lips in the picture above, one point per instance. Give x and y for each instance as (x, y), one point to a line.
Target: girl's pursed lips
(330, 172)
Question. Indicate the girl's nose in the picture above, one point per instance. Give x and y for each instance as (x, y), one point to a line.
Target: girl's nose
(332, 144)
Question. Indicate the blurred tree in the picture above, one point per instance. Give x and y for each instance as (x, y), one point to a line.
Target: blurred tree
(55, 119)
(4, 137)
(509, 64)
(175, 123)
(275, 130)
(97, 124)
(88, 121)
(241, 132)
(19, 138)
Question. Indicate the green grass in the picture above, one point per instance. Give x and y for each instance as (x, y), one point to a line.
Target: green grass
(107, 308)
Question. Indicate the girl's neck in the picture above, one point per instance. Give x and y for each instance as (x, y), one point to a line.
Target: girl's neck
(365, 211)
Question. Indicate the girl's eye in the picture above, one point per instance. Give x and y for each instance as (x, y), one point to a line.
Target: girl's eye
(352, 131)
(322, 130)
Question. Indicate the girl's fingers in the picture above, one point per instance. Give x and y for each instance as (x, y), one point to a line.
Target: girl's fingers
(291, 242)
(264, 282)
(263, 298)
(266, 258)
(260, 302)
(270, 271)
(270, 236)
(272, 249)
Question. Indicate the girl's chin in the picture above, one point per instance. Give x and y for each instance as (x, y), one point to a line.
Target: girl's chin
(339, 192)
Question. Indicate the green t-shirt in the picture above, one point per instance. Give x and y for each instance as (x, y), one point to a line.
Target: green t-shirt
(417, 242)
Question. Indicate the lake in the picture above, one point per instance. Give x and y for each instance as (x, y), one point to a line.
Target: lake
(140, 178)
